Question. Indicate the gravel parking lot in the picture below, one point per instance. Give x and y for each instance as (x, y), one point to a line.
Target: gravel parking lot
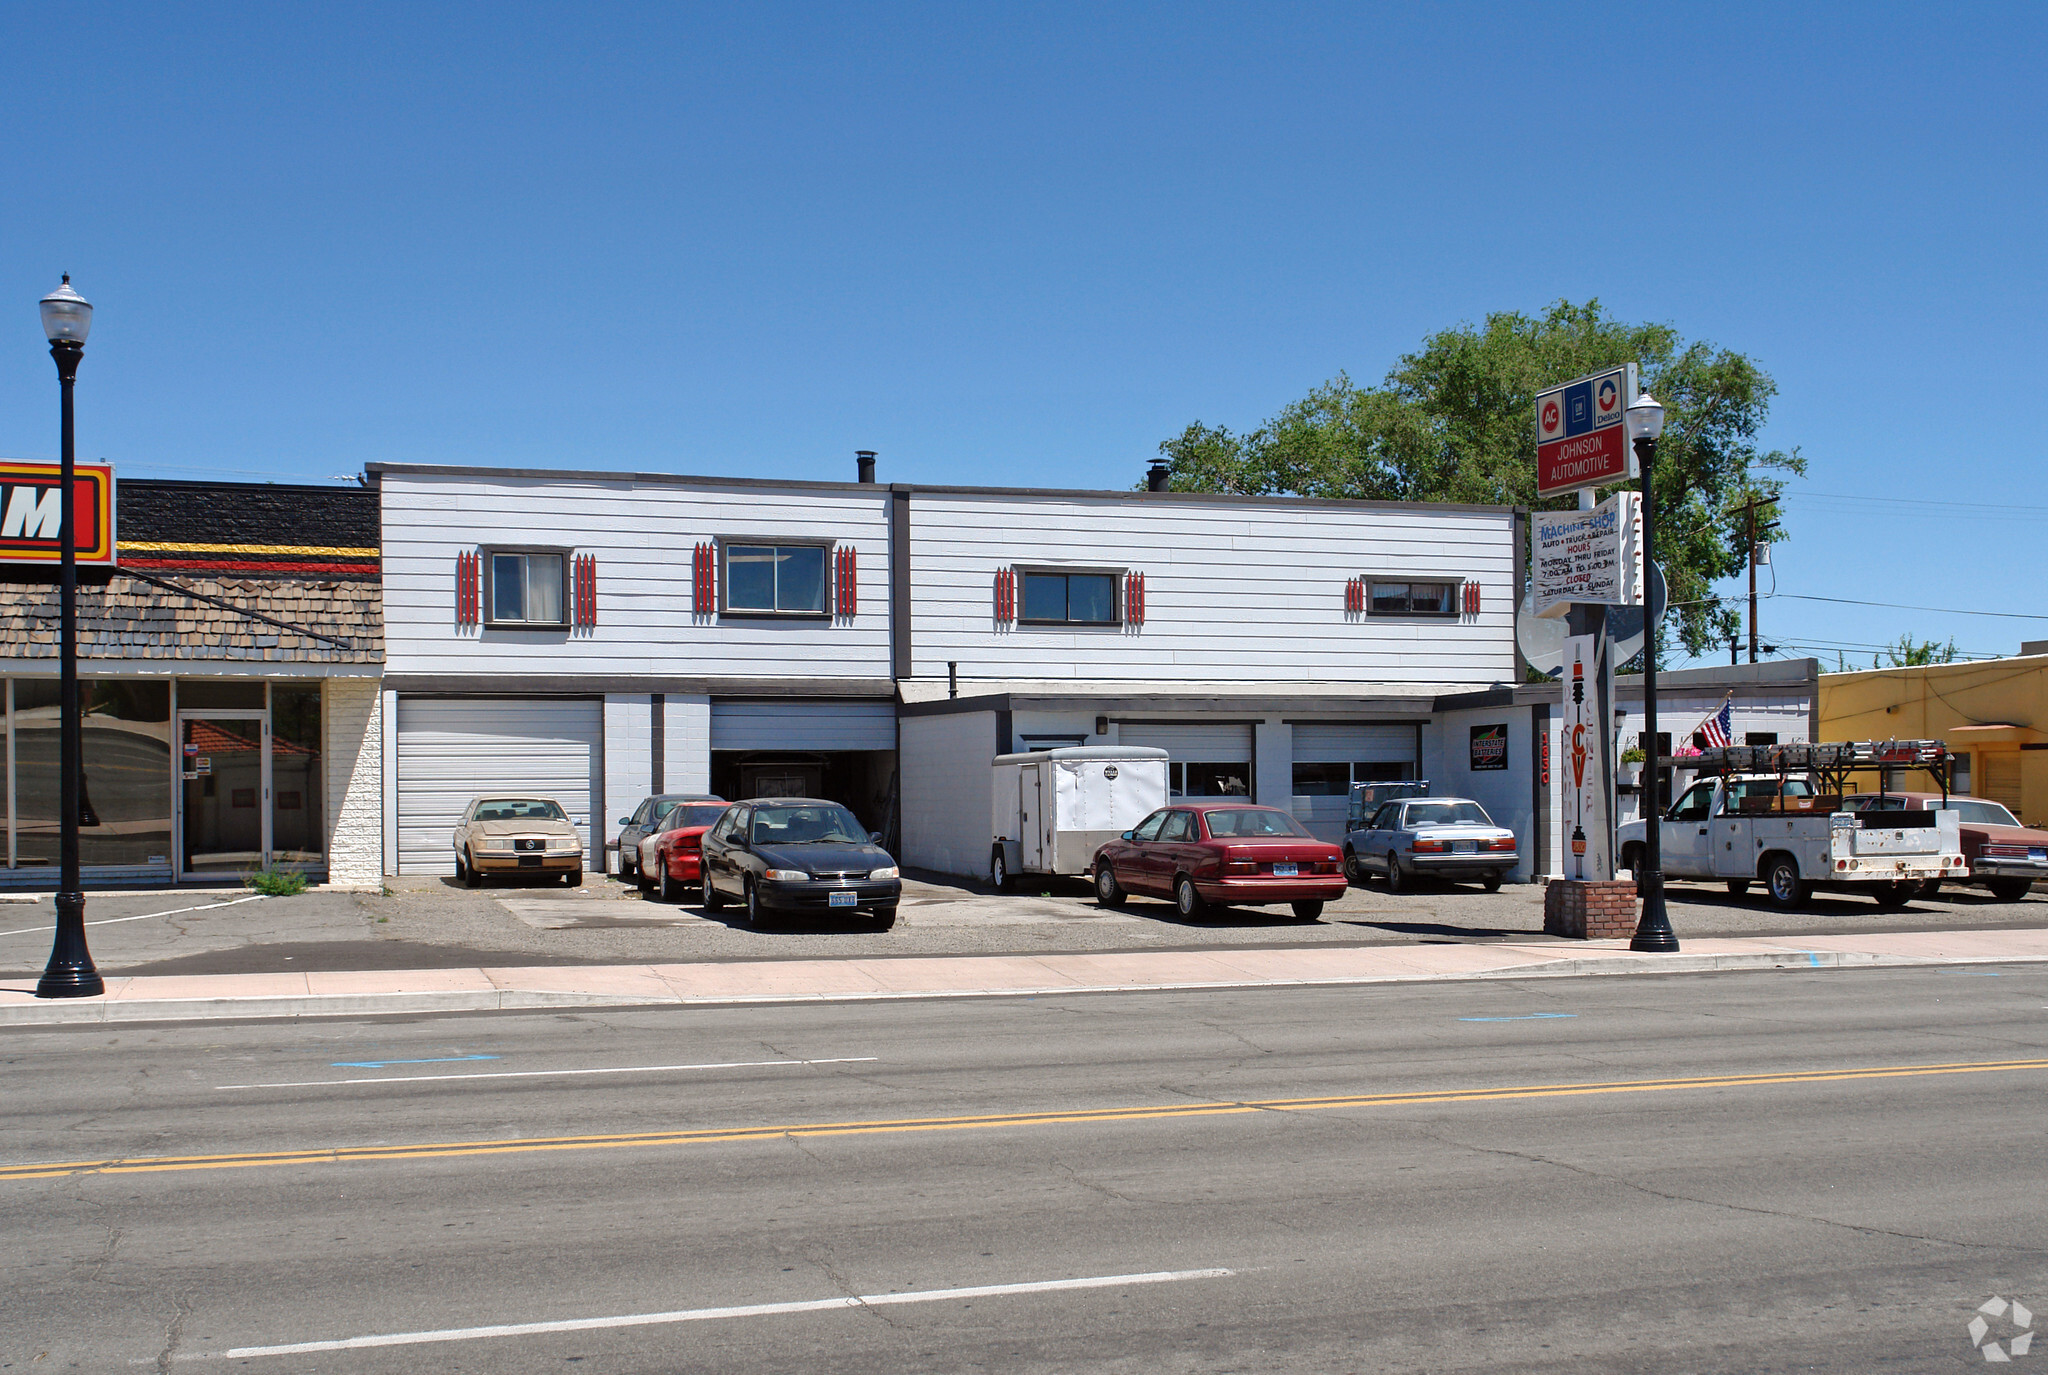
(422, 923)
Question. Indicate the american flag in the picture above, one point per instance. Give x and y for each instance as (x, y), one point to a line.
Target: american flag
(1717, 730)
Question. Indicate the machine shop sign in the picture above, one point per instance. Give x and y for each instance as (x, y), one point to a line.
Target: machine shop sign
(32, 513)
(1580, 438)
(1593, 557)
(1489, 748)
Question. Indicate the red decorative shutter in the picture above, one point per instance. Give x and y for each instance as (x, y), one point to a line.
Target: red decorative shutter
(1006, 595)
(704, 580)
(1471, 599)
(848, 581)
(1354, 595)
(467, 581)
(583, 590)
(1134, 598)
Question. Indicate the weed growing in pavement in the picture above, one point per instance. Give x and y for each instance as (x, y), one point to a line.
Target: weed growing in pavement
(276, 883)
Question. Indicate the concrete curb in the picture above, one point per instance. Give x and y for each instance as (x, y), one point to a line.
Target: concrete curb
(88, 1012)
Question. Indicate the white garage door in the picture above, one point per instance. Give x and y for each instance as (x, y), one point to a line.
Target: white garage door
(1205, 744)
(450, 751)
(803, 726)
(1353, 744)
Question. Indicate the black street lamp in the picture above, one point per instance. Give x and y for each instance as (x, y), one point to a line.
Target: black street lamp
(67, 319)
(1653, 929)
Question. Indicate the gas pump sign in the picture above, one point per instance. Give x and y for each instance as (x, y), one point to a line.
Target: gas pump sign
(32, 513)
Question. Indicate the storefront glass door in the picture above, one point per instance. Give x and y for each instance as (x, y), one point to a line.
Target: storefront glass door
(225, 792)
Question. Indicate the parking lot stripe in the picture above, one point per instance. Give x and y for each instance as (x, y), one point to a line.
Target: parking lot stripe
(441, 1150)
(754, 1310)
(46, 927)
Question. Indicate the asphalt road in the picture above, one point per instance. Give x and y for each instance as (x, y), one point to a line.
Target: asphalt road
(429, 923)
(1363, 1179)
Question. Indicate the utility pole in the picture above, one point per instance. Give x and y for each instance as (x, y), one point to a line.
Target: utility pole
(1754, 532)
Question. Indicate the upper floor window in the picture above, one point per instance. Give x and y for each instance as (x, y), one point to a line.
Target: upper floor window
(1070, 598)
(1413, 599)
(777, 579)
(528, 587)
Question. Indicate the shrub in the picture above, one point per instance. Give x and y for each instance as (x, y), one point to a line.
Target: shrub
(276, 883)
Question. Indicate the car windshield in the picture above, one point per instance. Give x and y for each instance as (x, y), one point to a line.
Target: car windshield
(1985, 813)
(693, 814)
(814, 824)
(1252, 821)
(519, 809)
(1769, 787)
(1447, 814)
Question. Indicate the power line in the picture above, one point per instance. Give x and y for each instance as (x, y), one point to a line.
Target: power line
(1903, 606)
(1910, 501)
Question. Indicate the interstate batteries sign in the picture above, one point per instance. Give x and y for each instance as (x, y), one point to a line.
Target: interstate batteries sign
(1580, 438)
(32, 513)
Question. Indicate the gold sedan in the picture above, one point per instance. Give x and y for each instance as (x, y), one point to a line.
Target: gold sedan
(500, 836)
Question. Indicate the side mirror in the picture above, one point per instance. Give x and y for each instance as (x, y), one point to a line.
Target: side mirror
(625, 821)
(874, 837)
(1127, 835)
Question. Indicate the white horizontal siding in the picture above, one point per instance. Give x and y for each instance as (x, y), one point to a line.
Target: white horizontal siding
(1232, 592)
(803, 726)
(643, 537)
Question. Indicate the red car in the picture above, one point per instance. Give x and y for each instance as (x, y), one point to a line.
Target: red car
(2003, 855)
(672, 856)
(1220, 853)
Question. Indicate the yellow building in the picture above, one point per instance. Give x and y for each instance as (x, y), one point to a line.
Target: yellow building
(1993, 714)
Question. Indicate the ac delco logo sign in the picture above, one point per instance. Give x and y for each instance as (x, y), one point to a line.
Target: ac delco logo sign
(32, 513)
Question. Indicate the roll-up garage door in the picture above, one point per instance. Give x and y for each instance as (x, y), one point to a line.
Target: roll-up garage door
(2000, 770)
(803, 725)
(452, 750)
(1205, 744)
(1354, 744)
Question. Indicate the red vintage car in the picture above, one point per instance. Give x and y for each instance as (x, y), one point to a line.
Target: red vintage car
(1201, 854)
(672, 857)
(2003, 855)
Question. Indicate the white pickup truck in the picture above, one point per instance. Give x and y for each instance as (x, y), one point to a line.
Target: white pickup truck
(1777, 830)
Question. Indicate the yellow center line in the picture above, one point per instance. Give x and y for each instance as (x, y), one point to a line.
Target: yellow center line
(441, 1150)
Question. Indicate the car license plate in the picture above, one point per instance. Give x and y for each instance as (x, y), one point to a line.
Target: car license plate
(2037, 853)
(843, 900)
(529, 861)
(1286, 870)
(1464, 847)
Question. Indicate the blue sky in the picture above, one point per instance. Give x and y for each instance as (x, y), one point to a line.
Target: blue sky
(1024, 244)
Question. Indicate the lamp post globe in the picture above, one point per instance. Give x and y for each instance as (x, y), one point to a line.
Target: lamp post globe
(1645, 421)
(67, 319)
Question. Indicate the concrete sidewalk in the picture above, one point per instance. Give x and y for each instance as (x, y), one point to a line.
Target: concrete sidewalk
(315, 994)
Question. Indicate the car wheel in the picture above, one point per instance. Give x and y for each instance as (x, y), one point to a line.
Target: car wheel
(629, 870)
(1185, 897)
(461, 868)
(470, 877)
(671, 891)
(1781, 880)
(640, 879)
(1397, 882)
(883, 921)
(1737, 887)
(1930, 888)
(1895, 895)
(998, 870)
(1307, 911)
(1353, 875)
(573, 879)
(1491, 883)
(2010, 889)
(1108, 891)
(713, 899)
(753, 904)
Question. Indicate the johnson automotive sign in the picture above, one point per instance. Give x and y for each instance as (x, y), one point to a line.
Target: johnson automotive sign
(32, 513)
(1580, 438)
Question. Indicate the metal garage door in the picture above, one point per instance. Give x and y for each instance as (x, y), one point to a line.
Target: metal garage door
(2001, 777)
(1222, 744)
(803, 725)
(1354, 744)
(452, 750)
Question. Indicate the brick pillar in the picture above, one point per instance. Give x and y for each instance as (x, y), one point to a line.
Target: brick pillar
(1587, 909)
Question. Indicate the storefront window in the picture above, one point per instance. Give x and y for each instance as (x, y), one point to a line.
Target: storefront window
(297, 825)
(125, 801)
(219, 694)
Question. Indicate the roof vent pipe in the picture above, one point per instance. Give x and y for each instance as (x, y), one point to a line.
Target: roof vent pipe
(866, 459)
(1158, 476)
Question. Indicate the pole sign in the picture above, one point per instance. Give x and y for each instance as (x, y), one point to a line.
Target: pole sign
(32, 513)
(1588, 830)
(1581, 440)
(1590, 557)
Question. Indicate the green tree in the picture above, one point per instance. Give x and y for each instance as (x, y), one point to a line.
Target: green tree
(1912, 653)
(1455, 421)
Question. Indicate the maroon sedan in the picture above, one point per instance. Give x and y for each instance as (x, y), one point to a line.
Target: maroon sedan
(1220, 853)
(2003, 855)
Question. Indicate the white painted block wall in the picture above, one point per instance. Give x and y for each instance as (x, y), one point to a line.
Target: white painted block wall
(1507, 794)
(946, 782)
(628, 766)
(686, 744)
(355, 781)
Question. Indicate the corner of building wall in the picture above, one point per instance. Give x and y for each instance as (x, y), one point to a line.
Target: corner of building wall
(1273, 769)
(387, 727)
(356, 781)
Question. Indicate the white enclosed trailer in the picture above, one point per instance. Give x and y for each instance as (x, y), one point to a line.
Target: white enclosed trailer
(1050, 809)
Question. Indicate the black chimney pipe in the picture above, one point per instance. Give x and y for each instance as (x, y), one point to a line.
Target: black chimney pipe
(866, 459)
(1158, 476)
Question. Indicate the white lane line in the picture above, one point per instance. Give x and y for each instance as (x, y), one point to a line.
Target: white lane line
(544, 1073)
(758, 1310)
(110, 921)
